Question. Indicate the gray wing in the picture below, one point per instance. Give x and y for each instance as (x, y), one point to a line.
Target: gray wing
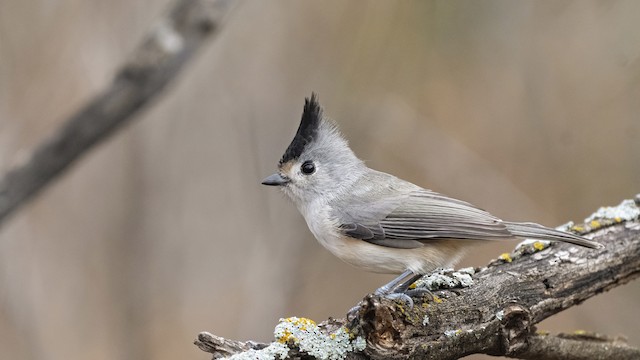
(419, 216)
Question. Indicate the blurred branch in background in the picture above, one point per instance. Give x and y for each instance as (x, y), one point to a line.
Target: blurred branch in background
(492, 310)
(153, 65)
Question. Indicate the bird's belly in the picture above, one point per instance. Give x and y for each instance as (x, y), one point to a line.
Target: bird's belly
(388, 260)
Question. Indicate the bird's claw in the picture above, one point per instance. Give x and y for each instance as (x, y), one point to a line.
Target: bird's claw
(419, 292)
(403, 297)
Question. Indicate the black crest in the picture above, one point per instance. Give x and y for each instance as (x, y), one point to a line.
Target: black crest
(307, 131)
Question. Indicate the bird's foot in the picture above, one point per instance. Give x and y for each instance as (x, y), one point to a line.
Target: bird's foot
(397, 289)
(401, 297)
(419, 292)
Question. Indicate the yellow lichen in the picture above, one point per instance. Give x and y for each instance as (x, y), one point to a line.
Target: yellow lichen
(577, 228)
(437, 300)
(301, 323)
(506, 257)
(594, 224)
(538, 245)
(580, 332)
(542, 332)
(413, 286)
(285, 337)
(400, 308)
(348, 332)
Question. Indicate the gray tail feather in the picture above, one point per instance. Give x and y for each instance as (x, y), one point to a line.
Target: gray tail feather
(539, 232)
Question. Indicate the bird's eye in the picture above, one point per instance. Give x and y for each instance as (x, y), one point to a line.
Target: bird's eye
(308, 167)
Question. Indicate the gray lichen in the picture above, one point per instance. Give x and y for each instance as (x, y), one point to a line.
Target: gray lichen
(625, 211)
(447, 279)
(307, 337)
(275, 350)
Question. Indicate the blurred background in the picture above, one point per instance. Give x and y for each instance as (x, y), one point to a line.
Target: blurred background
(527, 109)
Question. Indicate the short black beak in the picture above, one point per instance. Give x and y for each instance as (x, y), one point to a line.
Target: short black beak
(275, 180)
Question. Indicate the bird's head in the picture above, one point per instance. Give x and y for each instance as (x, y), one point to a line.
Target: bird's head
(318, 164)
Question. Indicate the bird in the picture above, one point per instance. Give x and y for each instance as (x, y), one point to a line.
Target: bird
(378, 222)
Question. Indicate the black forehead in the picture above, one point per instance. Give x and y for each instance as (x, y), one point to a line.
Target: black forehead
(307, 131)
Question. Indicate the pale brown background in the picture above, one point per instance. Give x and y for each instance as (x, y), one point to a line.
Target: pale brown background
(530, 110)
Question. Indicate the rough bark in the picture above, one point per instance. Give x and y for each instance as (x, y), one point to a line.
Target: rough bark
(154, 64)
(497, 314)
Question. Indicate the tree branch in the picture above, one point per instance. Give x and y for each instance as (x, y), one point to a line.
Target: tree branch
(222, 347)
(154, 64)
(577, 347)
(492, 310)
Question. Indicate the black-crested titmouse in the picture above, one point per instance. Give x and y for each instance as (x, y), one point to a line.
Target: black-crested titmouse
(378, 222)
